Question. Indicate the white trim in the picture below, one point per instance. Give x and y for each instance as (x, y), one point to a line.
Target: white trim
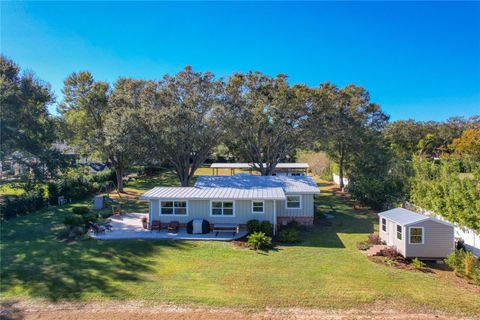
(293, 195)
(173, 214)
(263, 207)
(222, 215)
(150, 212)
(423, 235)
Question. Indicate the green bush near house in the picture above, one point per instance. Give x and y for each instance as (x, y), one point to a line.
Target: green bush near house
(253, 225)
(257, 226)
(288, 235)
(266, 227)
(259, 241)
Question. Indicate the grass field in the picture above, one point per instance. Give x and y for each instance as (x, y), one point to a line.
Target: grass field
(324, 271)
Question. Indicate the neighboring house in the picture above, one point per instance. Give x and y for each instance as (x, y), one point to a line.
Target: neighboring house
(236, 199)
(281, 169)
(416, 235)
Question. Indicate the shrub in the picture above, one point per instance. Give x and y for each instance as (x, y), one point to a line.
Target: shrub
(259, 240)
(455, 261)
(374, 239)
(319, 215)
(83, 210)
(363, 245)
(288, 235)
(266, 227)
(469, 265)
(53, 193)
(465, 265)
(253, 226)
(389, 252)
(293, 224)
(417, 263)
(31, 201)
(73, 220)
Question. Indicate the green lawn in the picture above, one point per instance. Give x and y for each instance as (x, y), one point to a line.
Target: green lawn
(324, 271)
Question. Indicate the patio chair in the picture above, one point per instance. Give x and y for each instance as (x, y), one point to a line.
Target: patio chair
(173, 226)
(155, 225)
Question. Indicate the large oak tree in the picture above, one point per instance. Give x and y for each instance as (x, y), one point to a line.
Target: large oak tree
(263, 118)
(185, 120)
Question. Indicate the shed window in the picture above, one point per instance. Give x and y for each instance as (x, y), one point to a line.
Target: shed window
(294, 202)
(416, 235)
(258, 207)
(384, 224)
(222, 208)
(399, 232)
(173, 207)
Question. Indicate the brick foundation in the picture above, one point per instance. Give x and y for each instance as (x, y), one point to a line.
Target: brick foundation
(302, 220)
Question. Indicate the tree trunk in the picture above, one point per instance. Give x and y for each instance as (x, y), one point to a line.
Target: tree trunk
(340, 171)
(119, 174)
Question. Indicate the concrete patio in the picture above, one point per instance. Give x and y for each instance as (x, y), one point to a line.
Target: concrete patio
(129, 226)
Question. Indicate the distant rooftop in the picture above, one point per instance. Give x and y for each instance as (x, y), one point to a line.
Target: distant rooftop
(298, 184)
(244, 165)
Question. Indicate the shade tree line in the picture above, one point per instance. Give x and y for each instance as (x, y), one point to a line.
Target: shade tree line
(260, 119)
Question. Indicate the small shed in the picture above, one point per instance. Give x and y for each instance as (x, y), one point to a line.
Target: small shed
(416, 235)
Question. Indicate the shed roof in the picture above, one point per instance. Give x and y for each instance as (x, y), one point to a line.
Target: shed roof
(406, 217)
(239, 165)
(403, 216)
(292, 185)
(206, 193)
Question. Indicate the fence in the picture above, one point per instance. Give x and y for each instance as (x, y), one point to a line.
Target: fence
(469, 236)
(336, 180)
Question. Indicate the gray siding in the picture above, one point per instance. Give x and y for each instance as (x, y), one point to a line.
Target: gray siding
(200, 209)
(438, 241)
(307, 209)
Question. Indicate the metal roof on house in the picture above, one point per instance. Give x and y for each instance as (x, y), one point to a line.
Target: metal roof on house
(292, 185)
(250, 165)
(205, 193)
(406, 217)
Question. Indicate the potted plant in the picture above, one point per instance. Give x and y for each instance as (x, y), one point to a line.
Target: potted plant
(145, 222)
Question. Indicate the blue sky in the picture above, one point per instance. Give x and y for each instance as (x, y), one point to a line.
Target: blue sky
(418, 60)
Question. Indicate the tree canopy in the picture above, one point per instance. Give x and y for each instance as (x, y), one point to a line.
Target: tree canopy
(264, 117)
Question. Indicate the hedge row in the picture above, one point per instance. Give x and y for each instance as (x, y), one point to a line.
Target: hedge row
(74, 185)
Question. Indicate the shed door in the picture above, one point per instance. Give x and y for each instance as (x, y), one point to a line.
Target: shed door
(391, 233)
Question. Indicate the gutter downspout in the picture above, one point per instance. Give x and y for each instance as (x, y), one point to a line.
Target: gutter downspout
(274, 217)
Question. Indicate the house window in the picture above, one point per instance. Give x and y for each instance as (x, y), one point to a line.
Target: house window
(294, 202)
(173, 208)
(416, 235)
(384, 224)
(258, 207)
(399, 232)
(222, 208)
